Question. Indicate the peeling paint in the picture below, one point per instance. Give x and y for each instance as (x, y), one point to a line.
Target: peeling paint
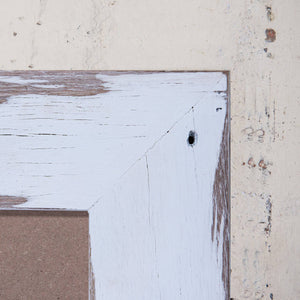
(75, 83)
(261, 87)
(221, 206)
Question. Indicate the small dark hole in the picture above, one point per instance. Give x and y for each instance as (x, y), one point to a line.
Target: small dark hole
(192, 138)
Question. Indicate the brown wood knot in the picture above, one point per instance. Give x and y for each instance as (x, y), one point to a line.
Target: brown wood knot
(192, 138)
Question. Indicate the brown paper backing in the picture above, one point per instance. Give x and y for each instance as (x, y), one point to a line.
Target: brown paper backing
(44, 255)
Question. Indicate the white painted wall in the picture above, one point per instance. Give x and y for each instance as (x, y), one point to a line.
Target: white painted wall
(203, 35)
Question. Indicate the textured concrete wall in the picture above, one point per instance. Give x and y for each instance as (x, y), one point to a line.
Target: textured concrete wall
(199, 35)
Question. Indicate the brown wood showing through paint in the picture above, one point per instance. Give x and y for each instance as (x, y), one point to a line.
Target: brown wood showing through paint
(221, 206)
(56, 83)
(10, 201)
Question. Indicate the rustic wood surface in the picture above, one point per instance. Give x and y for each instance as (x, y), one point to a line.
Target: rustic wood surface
(146, 153)
(67, 136)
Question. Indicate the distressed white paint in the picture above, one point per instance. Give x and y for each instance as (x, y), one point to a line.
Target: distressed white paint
(151, 234)
(124, 156)
(198, 35)
(65, 152)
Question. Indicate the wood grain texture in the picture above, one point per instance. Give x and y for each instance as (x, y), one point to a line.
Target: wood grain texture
(207, 35)
(146, 154)
(221, 205)
(155, 239)
(67, 136)
(56, 83)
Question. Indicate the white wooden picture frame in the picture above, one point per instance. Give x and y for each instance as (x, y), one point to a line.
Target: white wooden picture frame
(146, 154)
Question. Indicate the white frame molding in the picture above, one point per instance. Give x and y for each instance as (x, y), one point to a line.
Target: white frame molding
(146, 154)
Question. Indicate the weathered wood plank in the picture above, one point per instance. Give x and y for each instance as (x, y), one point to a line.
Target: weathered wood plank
(160, 237)
(67, 136)
(147, 154)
